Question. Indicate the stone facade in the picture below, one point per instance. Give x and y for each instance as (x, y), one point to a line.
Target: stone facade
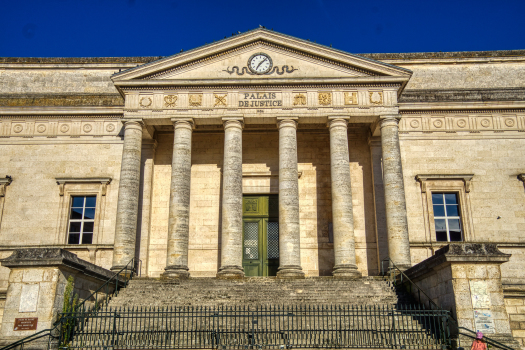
(146, 136)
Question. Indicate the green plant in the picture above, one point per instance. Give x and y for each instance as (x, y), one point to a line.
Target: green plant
(68, 309)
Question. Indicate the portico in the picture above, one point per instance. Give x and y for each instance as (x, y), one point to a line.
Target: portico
(298, 129)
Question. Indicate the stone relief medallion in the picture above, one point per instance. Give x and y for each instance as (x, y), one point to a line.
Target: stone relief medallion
(438, 123)
(41, 128)
(376, 97)
(461, 123)
(195, 100)
(485, 123)
(110, 127)
(414, 123)
(299, 100)
(18, 128)
(170, 100)
(145, 102)
(64, 128)
(220, 100)
(350, 98)
(325, 98)
(509, 122)
(87, 128)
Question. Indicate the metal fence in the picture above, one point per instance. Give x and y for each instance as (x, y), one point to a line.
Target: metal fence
(263, 327)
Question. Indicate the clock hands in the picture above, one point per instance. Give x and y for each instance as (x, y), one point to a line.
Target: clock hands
(265, 59)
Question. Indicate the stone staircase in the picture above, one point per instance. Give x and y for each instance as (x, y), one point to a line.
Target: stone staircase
(256, 291)
(257, 313)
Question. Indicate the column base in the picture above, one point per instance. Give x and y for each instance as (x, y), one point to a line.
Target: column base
(230, 272)
(175, 272)
(348, 271)
(290, 272)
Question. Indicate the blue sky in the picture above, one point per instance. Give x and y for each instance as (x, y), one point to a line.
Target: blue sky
(82, 28)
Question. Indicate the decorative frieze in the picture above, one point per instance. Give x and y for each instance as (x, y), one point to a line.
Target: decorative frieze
(261, 98)
(31, 128)
(461, 123)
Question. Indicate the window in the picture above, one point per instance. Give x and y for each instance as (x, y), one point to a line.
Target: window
(447, 217)
(447, 211)
(82, 219)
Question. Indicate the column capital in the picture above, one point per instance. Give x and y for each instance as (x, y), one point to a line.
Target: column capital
(283, 122)
(389, 120)
(233, 122)
(183, 123)
(338, 122)
(133, 123)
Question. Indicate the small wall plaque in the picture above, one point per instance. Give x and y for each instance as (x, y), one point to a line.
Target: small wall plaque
(29, 298)
(25, 324)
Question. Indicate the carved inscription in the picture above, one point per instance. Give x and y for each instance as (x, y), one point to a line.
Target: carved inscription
(259, 99)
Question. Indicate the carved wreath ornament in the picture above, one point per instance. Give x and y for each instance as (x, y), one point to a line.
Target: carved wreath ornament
(145, 102)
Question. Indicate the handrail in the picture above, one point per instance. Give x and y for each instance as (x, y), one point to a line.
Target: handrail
(132, 267)
(27, 340)
(487, 339)
(393, 266)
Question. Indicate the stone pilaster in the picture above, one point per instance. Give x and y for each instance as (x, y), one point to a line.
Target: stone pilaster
(289, 230)
(342, 211)
(146, 189)
(395, 202)
(231, 247)
(128, 196)
(379, 199)
(179, 214)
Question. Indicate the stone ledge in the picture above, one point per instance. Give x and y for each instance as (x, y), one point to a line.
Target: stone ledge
(472, 253)
(54, 257)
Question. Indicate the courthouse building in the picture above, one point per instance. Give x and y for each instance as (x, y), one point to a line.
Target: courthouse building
(265, 155)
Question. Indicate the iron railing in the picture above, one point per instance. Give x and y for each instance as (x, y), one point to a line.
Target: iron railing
(262, 327)
(95, 301)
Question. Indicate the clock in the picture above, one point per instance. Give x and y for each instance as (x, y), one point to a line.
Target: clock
(260, 63)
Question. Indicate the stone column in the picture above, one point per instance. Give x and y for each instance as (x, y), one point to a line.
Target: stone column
(231, 243)
(289, 230)
(128, 196)
(395, 203)
(342, 211)
(179, 215)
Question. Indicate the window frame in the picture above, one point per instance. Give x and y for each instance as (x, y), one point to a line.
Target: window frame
(446, 217)
(81, 187)
(447, 183)
(82, 220)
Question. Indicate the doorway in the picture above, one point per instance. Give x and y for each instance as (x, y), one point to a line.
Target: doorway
(260, 235)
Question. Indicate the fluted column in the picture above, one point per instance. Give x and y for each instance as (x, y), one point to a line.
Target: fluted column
(128, 196)
(289, 231)
(179, 214)
(396, 212)
(342, 211)
(231, 243)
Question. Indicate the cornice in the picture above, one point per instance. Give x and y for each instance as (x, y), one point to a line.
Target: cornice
(102, 112)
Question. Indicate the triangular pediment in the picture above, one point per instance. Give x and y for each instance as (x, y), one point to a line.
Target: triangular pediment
(290, 58)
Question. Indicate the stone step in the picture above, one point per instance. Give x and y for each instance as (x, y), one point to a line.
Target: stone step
(255, 291)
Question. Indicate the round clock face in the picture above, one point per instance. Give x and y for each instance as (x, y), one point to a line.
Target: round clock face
(260, 63)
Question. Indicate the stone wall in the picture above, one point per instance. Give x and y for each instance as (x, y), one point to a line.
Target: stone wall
(495, 188)
(35, 213)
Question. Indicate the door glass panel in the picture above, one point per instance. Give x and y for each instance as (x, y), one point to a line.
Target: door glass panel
(273, 240)
(251, 240)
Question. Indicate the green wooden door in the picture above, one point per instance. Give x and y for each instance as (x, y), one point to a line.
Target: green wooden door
(260, 235)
